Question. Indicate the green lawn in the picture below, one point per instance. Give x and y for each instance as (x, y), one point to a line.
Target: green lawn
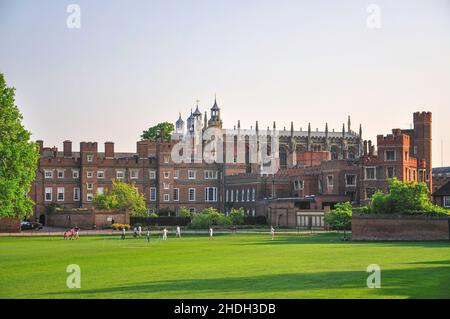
(230, 266)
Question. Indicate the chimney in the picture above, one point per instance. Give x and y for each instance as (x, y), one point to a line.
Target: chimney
(365, 148)
(370, 148)
(142, 149)
(67, 149)
(109, 149)
(40, 144)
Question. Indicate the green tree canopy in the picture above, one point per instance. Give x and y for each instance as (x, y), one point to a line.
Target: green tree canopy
(404, 198)
(237, 216)
(18, 158)
(154, 133)
(123, 196)
(340, 217)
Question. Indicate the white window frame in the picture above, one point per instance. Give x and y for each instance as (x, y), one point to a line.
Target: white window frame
(166, 185)
(134, 173)
(122, 172)
(89, 197)
(153, 194)
(76, 194)
(192, 174)
(248, 195)
(152, 174)
(90, 158)
(177, 192)
(75, 173)
(100, 191)
(166, 159)
(374, 173)
(101, 174)
(354, 178)
(446, 201)
(59, 191)
(210, 174)
(386, 157)
(387, 172)
(60, 171)
(89, 174)
(91, 186)
(176, 174)
(214, 194)
(253, 194)
(49, 172)
(48, 190)
(330, 181)
(166, 175)
(192, 199)
(166, 197)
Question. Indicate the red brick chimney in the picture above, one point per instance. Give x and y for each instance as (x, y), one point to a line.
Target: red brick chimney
(109, 149)
(67, 149)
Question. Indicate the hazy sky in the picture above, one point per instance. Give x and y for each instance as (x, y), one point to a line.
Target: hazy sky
(133, 64)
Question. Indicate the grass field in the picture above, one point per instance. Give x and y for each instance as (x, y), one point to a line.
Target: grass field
(230, 266)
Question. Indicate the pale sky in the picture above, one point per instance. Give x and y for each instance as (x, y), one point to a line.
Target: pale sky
(133, 64)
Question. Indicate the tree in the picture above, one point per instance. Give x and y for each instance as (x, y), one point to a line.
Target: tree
(237, 216)
(404, 198)
(340, 217)
(154, 133)
(18, 158)
(184, 212)
(123, 196)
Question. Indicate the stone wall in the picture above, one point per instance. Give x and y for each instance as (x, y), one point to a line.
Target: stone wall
(399, 227)
(9, 225)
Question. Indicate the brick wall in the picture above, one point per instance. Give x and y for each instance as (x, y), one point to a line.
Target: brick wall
(85, 219)
(388, 227)
(9, 225)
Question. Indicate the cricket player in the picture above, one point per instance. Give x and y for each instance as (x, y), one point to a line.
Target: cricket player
(272, 230)
(178, 233)
(211, 233)
(165, 234)
(147, 236)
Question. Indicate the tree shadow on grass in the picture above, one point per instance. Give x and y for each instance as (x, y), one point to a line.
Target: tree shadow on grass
(403, 283)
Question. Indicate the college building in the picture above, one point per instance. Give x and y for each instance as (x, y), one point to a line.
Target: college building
(317, 169)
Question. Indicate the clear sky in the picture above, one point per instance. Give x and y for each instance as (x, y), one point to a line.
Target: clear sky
(135, 63)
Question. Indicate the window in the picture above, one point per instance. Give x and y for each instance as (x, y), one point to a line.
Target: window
(192, 210)
(253, 212)
(176, 194)
(232, 195)
(406, 155)
(101, 174)
(89, 197)
(90, 186)
(389, 155)
(60, 194)
(210, 194)
(192, 174)
(248, 195)
(60, 173)
(100, 190)
(298, 184)
(166, 185)
(48, 194)
(370, 173)
(134, 174)
(210, 174)
(166, 159)
(48, 174)
(120, 174)
(253, 194)
(76, 194)
(166, 175)
(390, 172)
(330, 181)
(350, 180)
(75, 173)
(237, 195)
(176, 174)
(446, 201)
(90, 157)
(152, 174)
(227, 195)
(191, 194)
(90, 174)
(153, 194)
(166, 197)
(369, 192)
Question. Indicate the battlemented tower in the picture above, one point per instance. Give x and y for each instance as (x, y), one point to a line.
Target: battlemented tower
(423, 144)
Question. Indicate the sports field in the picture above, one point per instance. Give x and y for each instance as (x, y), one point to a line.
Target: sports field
(229, 266)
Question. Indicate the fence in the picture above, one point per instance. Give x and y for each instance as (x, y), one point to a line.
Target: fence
(160, 221)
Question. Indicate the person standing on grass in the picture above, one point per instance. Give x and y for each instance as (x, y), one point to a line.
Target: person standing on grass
(66, 234)
(134, 232)
(165, 231)
(272, 230)
(72, 234)
(178, 233)
(140, 231)
(147, 236)
(77, 231)
(123, 232)
(211, 233)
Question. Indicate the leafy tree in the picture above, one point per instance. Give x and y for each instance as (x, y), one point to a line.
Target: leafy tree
(123, 196)
(404, 198)
(237, 216)
(209, 217)
(154, 133)
(18, 158)
(340, 217)
(184, 212)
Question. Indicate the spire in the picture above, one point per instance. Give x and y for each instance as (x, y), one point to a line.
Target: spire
(309, 128)
(274, 125)
(343, 129)
(349, 124)
(360, 131)
(239, 124)
(292, 128)
(326, 129)
(206, 120)
(256, 127)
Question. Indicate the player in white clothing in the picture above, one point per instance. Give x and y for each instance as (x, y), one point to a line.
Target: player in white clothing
(165, 231)
(211, 233)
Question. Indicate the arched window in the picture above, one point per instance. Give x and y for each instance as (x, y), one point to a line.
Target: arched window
(253, 194)
(283, 157)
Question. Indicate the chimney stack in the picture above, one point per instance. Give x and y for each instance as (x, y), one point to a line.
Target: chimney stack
(109, 149)
(67, 149)
(365, 148)
(40, 144)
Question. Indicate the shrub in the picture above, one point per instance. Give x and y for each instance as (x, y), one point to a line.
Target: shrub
(237, 216)
(153, 215)
(120, 226)
(210, 217)
(409, 198)
(184, 212)
(340, 217)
